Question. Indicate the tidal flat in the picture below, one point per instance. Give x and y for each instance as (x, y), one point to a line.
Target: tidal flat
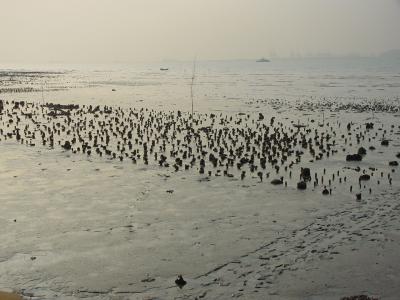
(115, 200)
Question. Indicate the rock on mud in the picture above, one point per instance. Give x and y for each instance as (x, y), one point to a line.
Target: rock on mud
(301, 185)
(353, 157)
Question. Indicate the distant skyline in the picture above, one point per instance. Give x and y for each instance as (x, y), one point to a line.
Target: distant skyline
(106, 31)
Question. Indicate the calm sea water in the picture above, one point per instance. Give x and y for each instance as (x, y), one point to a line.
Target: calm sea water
(218, 85)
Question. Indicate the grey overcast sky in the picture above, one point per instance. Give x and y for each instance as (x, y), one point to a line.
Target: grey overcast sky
(151, 30)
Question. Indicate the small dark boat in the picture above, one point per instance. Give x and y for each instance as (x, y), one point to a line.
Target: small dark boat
(164, 69)
(262, 60)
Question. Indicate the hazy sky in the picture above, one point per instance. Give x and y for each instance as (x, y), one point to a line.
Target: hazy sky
(150, 30)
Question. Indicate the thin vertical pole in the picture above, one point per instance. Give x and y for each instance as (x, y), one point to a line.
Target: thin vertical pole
(191, 85)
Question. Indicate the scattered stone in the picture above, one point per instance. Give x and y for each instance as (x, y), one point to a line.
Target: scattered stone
(362, 151)
(202, 295)
(277, 181)
(364, 177)
(369, 125)
(180, 282)
(359, 297)
(301, 185)
(305, 174)
(67, 145)
(353, 157)
(148, 279)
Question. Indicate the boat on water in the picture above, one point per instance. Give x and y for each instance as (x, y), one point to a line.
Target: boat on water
(163, 69)
(262, 60)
